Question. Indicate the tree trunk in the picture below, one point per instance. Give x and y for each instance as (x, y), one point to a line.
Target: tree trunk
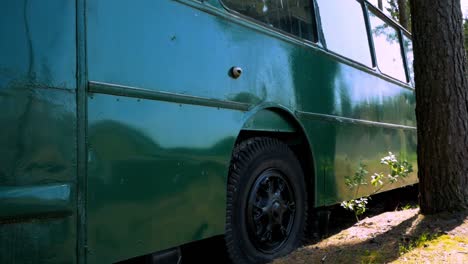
(380, 4)
(441, 105)
(403, 13)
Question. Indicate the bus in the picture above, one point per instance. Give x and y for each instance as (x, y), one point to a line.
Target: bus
(134, 127)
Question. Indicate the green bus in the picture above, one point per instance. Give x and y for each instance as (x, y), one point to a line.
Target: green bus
(135, 127)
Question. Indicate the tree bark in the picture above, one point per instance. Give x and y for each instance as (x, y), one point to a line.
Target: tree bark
(441, 105)
(403, 13)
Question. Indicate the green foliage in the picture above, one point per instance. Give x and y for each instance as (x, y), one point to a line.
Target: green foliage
(359, 177)
(371, 256)
(396, 169)
(416, 242)
(395, 11)
(392, 9)
(408, 206)
(358, 206)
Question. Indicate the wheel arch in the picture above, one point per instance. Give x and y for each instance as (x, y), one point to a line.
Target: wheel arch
(281, 123)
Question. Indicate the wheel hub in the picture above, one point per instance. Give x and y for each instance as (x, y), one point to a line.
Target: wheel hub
(276, 212)
(270, 211)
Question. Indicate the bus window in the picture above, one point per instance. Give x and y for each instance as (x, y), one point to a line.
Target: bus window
(386, 6)
(387, 48)
(408, 43)
(345, 29)
(291, 16)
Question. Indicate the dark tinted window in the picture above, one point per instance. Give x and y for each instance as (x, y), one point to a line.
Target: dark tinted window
(345, 30)
(387, 48)
(408, 43)
(291, 16)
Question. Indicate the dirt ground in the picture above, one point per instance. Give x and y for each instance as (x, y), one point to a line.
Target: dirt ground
(401, 236)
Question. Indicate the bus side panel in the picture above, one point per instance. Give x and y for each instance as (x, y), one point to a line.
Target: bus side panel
(38, 132)
(38, 43)
(352, 116)
(157, 171)
(157, 174)
(338, 89)
(173, 47)
(341, 147)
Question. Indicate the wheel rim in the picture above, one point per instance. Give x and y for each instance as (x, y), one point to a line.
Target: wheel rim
(270, 211)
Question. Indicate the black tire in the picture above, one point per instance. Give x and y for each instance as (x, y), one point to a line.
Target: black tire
(266, 202)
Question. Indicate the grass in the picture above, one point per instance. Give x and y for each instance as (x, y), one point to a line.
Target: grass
(372, 256)
(432, 249)
(408, 206)
(421, 240)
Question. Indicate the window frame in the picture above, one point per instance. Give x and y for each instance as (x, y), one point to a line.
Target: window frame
(400, 31)
(319, 39)
(322, 38)
(314, 27)
(406, 34)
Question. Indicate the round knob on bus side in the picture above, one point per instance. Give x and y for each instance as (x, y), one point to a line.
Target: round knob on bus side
(236, 72)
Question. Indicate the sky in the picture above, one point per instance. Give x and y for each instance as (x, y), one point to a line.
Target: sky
(464, 6)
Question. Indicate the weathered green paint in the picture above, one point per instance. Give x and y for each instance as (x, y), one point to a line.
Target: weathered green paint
(31, 201)
(120, 119)
(37, 153)
(81, 114)
(154, 183)
(38, 44)
(38, 132)
(270, 120)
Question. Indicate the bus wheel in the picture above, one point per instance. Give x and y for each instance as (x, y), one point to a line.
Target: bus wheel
(266, 202)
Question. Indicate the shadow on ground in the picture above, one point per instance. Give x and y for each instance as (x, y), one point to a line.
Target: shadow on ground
(381, 248)
(379, 237)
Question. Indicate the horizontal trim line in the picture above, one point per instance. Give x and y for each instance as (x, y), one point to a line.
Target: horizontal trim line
(69, 90)
(339, 119)
(29, 202)
(128, 91)
(39, 86)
